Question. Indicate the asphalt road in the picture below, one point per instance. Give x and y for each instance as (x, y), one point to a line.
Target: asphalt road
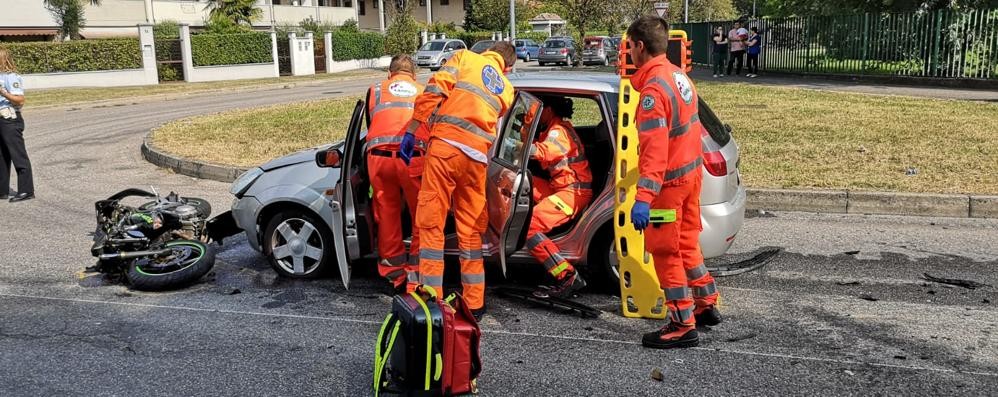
(842, 310)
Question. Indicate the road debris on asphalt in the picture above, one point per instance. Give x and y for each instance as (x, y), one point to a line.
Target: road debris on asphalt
(657, 374)
(757, 261)
(563, 305)
(848, 283)
(868, 297)
(968, 284)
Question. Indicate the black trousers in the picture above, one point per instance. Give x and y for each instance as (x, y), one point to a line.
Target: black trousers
(753, 63)
(738, 56)
(12, 152)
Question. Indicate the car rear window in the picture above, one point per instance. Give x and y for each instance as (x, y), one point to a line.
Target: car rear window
(482, 46)
(713, 125)
(594, 43)
(555, 44)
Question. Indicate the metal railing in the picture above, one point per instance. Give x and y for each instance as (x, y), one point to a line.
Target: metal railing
(943, 44)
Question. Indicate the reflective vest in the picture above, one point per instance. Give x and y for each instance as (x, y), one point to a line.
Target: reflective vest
(463, 101)
(390, 104)
(560, 152)
(669, 147)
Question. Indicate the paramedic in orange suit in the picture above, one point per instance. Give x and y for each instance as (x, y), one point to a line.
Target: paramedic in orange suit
(562, 188)
(456, 115)
(390, 105)
(667, 203)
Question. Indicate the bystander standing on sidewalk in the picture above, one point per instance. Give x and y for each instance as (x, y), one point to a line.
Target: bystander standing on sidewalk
(12, 150)
(720, 51)
(737, 36)
(754, 43)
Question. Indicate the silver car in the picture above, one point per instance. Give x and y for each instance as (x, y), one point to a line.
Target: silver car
(435, 53)
(311, 209)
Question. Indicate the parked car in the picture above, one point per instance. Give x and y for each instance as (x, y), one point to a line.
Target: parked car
(435, 53)
(598, 50)
(482, 45)
(310, 211)
(616, 41)
(560, 50)
(526, 49)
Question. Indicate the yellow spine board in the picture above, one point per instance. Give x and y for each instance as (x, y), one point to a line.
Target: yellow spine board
(640, 293)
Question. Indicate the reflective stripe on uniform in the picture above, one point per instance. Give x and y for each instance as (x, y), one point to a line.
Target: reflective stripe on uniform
(559, 269)
(682, 316)
(705, 291)
(393, 105)
(397, 260)
(431, 281)
(672, 99)
(649, 184)
(492, 101)
(553, 261)
(433, 89)
(431, 254)
(536, 240)
(465, 125)
(682, 171)
(384, 140)
(472, 278)
(556, 142)
(679, 131)
(696, 273)
(471, 254)
(449, 69)
(582, 186)
(674, 294)
(377, 94)
(394, 274)
(652, 124)
(412, 277)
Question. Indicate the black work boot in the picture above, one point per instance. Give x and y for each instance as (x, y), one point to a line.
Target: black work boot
(707, 315)
(563, 288)
(673, 335)
(478, 313)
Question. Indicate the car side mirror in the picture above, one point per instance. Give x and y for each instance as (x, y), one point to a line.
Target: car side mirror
(329, 158)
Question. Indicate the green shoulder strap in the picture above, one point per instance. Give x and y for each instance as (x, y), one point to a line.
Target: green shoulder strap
(429, 336)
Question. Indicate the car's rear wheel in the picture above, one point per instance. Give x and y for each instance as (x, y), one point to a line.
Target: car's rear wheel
(539, 63)
(297, 243)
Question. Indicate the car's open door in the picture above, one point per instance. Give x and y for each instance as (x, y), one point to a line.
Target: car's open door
(508, 187)
(345, 237)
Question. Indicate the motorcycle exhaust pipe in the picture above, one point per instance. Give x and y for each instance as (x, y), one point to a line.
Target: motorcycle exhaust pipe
(135, 254)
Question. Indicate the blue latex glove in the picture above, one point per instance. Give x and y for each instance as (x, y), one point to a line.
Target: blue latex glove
(640, 215)
(407, 146)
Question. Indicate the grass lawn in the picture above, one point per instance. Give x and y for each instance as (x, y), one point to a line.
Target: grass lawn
(789, 138)
(68, 96)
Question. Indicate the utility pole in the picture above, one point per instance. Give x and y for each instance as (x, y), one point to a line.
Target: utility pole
(512, 19)
(753, 9)
(686, 11)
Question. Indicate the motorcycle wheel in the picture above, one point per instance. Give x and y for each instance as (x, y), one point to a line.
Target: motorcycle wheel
(202, 205)
(189, 261)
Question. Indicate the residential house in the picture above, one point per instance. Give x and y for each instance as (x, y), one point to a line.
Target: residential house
(372, 15)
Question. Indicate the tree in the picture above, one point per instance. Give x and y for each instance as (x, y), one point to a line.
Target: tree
(583, 15)
(402, 29)
(240, 12)
(69, 15)
(706, 10)
(493, 14)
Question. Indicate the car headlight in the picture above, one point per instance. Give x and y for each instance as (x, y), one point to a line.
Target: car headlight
(243, 183)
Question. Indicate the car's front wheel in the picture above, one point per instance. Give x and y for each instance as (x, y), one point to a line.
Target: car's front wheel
(297, 243)
(526, 58)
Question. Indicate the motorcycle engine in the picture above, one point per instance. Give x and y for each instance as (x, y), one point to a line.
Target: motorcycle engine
(186, 212)
(189, 217)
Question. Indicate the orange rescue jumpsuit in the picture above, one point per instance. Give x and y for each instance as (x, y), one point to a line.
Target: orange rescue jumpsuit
(390, 107)
(670, 165)
(461, 104)
(558, 199)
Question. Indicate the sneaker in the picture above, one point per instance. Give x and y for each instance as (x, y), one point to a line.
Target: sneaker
(707, 315)
(673, 335)
(563, 288)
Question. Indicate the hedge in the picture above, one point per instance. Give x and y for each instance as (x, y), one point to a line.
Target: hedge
(76, 56)
(231, 49)
(349, 44)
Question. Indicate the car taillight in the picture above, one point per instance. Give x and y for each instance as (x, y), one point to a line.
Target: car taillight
(715, 163)
(564, 51)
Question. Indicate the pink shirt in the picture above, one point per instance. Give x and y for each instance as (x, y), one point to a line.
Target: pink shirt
(735, 37)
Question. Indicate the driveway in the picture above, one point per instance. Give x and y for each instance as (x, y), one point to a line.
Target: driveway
(843, 310)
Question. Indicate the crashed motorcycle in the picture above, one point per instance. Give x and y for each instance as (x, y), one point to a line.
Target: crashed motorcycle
(159, 245)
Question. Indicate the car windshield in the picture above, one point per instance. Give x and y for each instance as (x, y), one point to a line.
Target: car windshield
(432, 46)
(555, 44)
(482, 46)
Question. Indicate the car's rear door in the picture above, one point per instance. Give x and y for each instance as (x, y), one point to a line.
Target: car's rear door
(508, 187)
(345, 237)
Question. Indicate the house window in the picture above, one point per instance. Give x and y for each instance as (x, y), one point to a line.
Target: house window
(363, 9)
(422, 3)
(374, 4)
(467, 5)
(445, 2)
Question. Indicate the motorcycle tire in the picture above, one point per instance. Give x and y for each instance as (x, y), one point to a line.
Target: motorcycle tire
(202, 205)
(190, 261)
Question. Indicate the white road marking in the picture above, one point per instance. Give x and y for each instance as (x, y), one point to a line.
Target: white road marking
(500, 332)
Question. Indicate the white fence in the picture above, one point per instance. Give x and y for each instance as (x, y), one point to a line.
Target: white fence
(200, 74)
(105, 78)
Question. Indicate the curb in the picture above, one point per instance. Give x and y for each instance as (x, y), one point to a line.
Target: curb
(874, 203)
(187, 167)
(821, 201)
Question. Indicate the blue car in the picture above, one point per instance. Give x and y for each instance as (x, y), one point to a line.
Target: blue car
(526, 49)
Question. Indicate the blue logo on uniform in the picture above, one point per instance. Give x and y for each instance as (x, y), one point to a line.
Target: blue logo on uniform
(492, 80)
